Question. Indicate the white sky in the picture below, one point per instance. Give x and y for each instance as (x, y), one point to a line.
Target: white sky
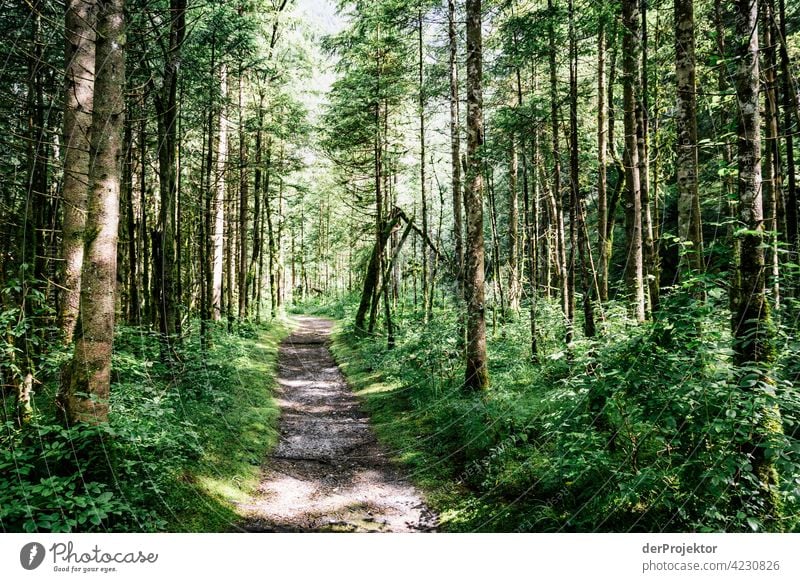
(321, 14)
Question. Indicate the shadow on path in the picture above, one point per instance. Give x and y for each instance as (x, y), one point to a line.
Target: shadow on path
(328, 472)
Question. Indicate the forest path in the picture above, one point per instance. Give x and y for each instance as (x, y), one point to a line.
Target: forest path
(328, 472)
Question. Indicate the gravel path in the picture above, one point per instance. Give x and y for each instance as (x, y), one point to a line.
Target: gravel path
(328, 472)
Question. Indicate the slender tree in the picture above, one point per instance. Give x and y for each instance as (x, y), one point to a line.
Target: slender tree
(556, 212)
(219, 199)
(165, 287)
(631, 82)
(790, 127)
(753, 330)
(79, 47)
(602, 162)
(477, 374)
(689, 227)
(455, 145)
(426, 271)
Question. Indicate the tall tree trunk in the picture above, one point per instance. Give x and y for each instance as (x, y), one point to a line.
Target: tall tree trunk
(771, 184)
(477, 374)
(206, 242)
(79, 50)
(689, 225)
(146, 316)
(612, 47)
(556, 212)
(532, 228)
(790, 127)
(372, 277)
(133, 236)
(167, 117)
(254, 270)
(573, 170)
(87, 385)
(649, 255)
(753, 330)
(219, 200)
(514, 285)
(602, 163)
(577, 219)
(126, 220)
(230, 241)
(271, 239)
(631, 79)
(244, 201)
(455, 144)
(426, 275)
(498, 282)
(728, 187)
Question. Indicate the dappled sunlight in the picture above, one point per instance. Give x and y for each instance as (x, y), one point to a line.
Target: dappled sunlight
(328, 472)
(377, 387)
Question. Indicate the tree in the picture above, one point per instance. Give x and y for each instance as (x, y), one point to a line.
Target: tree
(78, 95)
(218, 205)
(455, 143)
(165, 272)
(87, 385)
(602, 162)
(477, 374)
(556, 211)
(689, 227)
(753, 330)
(631, 82)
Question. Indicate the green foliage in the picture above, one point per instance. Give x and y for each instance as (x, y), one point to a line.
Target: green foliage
(641, 430)
(50, 479)
(178, 435)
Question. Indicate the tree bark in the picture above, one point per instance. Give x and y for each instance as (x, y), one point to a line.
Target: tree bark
(689, 225)
(256, 257)
(271, 238)
(649, 254)
(455, 144)
(167, 117)
(573, 170)
(79, 50)
(771, 165)
(790, 127)
(476, 374)
(753, 330)
(219, 200)
(602, 163)
(556, 211)
(631, 81)
(426, 275)
(244, 201)
(514, 285)
(580, 240)
(88, 383)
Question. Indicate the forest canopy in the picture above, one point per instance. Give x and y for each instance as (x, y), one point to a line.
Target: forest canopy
(559, 238)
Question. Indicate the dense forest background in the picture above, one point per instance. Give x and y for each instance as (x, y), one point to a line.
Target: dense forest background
(560, 238)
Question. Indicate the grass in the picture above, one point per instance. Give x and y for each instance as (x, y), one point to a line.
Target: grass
(236, 438)
(393, 389)
(184, 444)
(632, 431)
(398, 429)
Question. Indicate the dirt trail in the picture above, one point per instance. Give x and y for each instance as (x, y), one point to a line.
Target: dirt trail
(328, 472)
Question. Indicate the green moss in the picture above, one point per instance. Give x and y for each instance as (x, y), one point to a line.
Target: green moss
(235, 439)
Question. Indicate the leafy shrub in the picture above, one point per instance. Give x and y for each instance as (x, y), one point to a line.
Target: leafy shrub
(637, 430)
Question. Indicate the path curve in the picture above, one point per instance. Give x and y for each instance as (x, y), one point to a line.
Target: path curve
(328, 472)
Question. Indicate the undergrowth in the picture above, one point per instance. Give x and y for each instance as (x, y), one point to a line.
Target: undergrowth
(636, 430)
(184, 442)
